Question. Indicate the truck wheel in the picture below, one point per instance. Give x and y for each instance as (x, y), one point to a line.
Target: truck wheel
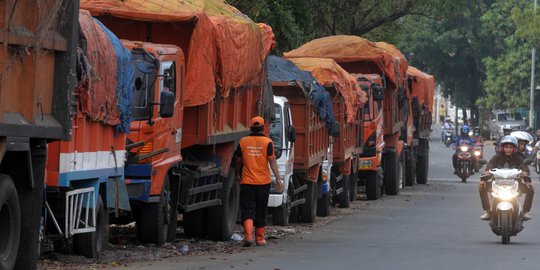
(280, 215)
(410, 168)
(422, 167)
(308, 210)
(195, 223)
(10, 222)
(373, 185)
(353, 185)
(222, 218)
(323, 205)
(343, 197)
(401, 170)
(391, 174)
(92, 244)
(295, 183)
(155, 218)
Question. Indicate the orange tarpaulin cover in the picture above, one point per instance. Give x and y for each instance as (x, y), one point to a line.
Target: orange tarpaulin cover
(423, 87)
(329, 74)
(226, 48)
(97, 86)
(344, 48)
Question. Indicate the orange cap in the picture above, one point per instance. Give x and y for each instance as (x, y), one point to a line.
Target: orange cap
(257, 121)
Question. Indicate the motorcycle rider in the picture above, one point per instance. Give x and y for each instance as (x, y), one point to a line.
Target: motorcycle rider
(523, 139)
(507, 158)
(477, 137)
(447, 125)
(506, 131)
(461, 139)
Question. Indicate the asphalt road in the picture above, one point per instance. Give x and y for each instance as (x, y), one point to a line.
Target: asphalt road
(434, 226)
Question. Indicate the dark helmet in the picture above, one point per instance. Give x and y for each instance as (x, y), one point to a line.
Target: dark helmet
(465, 130)
(508, 140)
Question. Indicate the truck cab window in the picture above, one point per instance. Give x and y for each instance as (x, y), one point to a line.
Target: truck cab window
(144, 82)
(276, 130)
(167, 73)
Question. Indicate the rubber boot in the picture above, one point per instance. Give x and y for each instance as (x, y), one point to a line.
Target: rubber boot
(248, 233)
(259, 236)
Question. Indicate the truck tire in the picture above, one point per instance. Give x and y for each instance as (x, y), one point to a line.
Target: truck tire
(308, 210)
(353, 185)
(222, 218)
(343, 197)
(323, 205)
(391, 174)
(92, 244)
(410, 167)
(422, 168)
(295, 183)
(280, 215)
(155, 218)
(196, 223)
(173, 206)
(373, 184)
(10, 222)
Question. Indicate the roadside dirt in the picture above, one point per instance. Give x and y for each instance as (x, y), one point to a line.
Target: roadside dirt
(124, 249)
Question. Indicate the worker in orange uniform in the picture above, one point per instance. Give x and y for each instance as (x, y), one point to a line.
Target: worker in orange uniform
(253, 155)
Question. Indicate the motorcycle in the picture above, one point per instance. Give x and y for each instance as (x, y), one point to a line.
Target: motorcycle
(448, 137)
(465, 161)
(537, 162)
(507, 213)
(478, 153)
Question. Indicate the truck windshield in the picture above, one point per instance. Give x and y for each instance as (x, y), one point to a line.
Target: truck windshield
(276, 130)
(144, 81)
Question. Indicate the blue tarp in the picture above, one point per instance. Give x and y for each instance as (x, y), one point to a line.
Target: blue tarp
(125, 86)
(282, 70)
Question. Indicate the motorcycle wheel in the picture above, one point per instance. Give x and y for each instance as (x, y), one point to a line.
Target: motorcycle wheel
(464, 172)
(505, 228)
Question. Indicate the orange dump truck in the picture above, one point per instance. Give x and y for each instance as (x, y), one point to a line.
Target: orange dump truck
(85, 176)
(202, 62)
(422, 89)
(370, 161)
(38, 79)
(348, 101)
(358, 55)
(300, 132)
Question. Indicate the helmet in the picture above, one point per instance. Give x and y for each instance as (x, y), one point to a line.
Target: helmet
(507, 129)
(522, 136)
(476, 131)
(448, 119)
(465, 130)
(508, 140)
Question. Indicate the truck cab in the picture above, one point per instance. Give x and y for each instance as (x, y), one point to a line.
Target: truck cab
(155, 139)
(281, 128)
(370, 162)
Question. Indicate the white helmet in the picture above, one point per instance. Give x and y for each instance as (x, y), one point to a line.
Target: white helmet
(522, 136)
(508, 140)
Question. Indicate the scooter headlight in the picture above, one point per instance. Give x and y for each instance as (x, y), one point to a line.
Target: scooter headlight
(477, 153)
(505, 189)
(464, 148)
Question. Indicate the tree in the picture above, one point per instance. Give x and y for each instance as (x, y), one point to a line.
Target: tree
(298, 21)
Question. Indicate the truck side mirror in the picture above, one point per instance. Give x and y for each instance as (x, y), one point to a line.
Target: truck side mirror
(378, 93)
(166, 105)
(292, 134)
